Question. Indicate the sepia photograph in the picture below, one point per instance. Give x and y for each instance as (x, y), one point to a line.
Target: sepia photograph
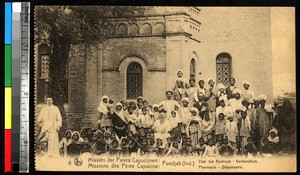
(165, 89)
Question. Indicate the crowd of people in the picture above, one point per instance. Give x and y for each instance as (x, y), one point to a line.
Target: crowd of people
(205, 121)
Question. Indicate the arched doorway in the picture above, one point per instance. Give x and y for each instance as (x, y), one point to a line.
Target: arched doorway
(223, 66)
(134, 80)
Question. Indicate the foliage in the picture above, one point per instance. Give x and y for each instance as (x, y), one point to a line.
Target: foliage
(62, 26)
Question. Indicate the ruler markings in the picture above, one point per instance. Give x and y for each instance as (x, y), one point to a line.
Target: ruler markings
(24, 92)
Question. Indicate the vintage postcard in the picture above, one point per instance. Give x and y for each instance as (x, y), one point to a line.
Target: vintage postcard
(165, 89)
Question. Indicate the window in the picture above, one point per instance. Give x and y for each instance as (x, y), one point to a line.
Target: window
(43, 72)
(223, 68)
(134, 80)
(192, 69)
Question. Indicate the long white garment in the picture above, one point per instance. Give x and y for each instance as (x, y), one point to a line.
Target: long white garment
(169, 106)
(185, 114)
(51, 121)
(219, 110)
(235, 104)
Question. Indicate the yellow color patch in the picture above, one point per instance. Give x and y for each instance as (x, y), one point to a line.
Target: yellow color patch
(8, 107)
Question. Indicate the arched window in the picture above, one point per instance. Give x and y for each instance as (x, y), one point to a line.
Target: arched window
(159, 28)
(192, 69)
(133, 29)
(146, 29)
(134, 80)
(223, 68)
(122, 30)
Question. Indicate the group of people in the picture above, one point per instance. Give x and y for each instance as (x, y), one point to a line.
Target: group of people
(202, 121)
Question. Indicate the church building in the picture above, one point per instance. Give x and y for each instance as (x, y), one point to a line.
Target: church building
(141, 57)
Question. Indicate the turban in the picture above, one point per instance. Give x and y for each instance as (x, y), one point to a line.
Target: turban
(224, 98)
(221, 86)
(185, 99)
(244, 109)
(169, 91)
(210, 79)
(262, 97)
(246, 82)
(179, 70)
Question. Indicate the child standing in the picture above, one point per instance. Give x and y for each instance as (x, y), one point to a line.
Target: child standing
(220, 127)
(211, 150)
(245, 128)
(231, 131)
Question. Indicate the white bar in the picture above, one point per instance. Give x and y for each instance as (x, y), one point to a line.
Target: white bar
(16, 7)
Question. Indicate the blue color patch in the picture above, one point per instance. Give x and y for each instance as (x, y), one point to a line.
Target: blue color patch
(8, 22)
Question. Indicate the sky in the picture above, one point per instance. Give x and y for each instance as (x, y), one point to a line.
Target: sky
(283, 49)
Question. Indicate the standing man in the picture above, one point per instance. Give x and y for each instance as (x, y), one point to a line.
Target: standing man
(264, 117)
(169, 104)
(229, 89)
(192, 92)
(50, 121)
(211, 99)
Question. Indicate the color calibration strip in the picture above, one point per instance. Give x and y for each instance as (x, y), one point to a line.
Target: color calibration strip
(8, 89)
(24, 88)
(17, 49)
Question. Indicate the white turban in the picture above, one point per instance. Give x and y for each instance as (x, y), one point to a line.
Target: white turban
(221, 86)
(262, 97)
(244, 109)
(179, 70)
(210, 79)
(185, 99)
(224, 98)
(246, 82)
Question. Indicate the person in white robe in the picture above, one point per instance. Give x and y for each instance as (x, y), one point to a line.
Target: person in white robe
(247, 92)
(192, 92)
(161, 127)
(222, 107)
(180, 77)
(169, 104)
(185, 111)
(50, 121)
(102, 108)
(236, 102)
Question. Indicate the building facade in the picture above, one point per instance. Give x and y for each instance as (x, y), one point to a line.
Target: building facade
(141, 57)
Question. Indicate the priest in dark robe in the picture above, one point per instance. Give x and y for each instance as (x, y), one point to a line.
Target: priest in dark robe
(119, 121)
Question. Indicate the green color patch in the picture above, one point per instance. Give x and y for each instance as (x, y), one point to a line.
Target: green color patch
(8, 65)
